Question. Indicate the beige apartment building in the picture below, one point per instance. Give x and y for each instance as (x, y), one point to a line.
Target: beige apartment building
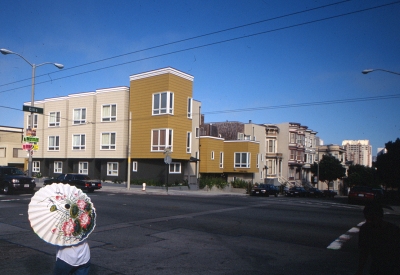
(358, 152)
(11, 152)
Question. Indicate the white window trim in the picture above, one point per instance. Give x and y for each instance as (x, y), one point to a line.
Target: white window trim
(109, 118)
(57, 146)
(221, 159)
(134, 166)
(81, 167)
(35, 121)
(79, 120)
(79, 146)
(112, 172)
(57, 119)
(169, 109)
(212, 155)
(189, 140)
(241, 164)
(174, 166)
(111, 146)
(36, 166)
(190, 108)
(168, 140)
(58, 165)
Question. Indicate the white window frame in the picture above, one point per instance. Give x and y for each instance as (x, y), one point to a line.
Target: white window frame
(58, 165)
(111, 114)
(54, 119)
(221, 159)
(2, 152)
(175, 168)
(134, 166)
(78, 142)
(190, 108)
(239, 159)
(110, 145)
(258, 161)
(158, 107)
(53, 146)
(160, 145)
(36, 166)
(83, 167)
(271, 148)
(271, 164)
(197, 132)
(35, 121)
(212, 155)
(112, 169)
(189, 142)
(79, 116)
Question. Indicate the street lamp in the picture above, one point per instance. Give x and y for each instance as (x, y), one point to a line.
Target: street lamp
(34, 66)
(371, 70)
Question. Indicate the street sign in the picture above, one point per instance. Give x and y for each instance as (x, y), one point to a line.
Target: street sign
(167, 159)
(27, 146)
(35, 147)
(31, 139)
(31, 109)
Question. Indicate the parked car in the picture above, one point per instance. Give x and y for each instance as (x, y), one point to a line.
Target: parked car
(13, 179)
(296, 192)
(265, 190)
(78, 180)
(315, 192)
(364, 194)
(329, 193)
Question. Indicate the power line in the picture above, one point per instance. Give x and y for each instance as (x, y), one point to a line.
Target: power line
(187, 39)
(284, 106)
(213, 43)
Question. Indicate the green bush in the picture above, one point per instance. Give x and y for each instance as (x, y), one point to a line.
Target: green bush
(220, 183)
(239, 183)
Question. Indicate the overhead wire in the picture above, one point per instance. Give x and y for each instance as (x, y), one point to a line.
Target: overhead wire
(211, 44)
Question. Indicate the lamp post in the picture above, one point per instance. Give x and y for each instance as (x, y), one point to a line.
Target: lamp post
(372, 70)
(34, 66)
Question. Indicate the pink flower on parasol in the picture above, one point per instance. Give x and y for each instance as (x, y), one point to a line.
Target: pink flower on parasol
(84, 219)
(68, 227)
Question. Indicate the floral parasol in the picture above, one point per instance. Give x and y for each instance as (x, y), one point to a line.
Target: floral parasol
(61, 214)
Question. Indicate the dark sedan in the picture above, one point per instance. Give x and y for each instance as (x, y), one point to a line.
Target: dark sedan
(329, 193)
(296, 192)
(364, 194)
(265, 190)
(79, 181)
(315, 192)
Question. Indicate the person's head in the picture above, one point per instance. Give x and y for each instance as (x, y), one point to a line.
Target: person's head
(373, 213)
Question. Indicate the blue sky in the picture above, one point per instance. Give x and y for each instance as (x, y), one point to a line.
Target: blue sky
(264, 70)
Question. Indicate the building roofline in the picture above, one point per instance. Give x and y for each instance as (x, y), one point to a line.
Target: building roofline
(167, 70)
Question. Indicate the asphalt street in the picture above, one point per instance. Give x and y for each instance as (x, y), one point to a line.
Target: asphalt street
(185, 231)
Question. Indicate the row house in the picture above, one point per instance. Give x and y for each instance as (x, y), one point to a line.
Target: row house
(123, 132)
(339, 152)
(82, 133)
(11, 153)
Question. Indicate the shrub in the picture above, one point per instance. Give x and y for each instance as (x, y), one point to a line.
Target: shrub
(239, 183)
(220, 183)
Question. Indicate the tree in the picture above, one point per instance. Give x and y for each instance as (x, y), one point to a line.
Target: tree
(361, 175)
(330, 169)
(388, 164)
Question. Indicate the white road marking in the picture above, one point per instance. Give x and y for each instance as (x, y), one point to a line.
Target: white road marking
(339, 242)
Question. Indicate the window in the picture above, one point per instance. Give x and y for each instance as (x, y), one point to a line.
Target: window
(292, 154)
(78, 142)
(79, 116)
(16, 152)
(212, 154)
(292, 138)
(190, 101)
(58, 167)
(134, 166)
(83, 168)
(271, 146)
(189, 142)
(112, 168)
(175, 168)
(163, 103)
(261, 175)
(197, 132)
(108, 141)
(36, 166)
(35, 121)
(257, 161)
(54, 143)
(2, 152)
(161, 139)
(54, 119)
(109, 112)
(221, 159)
(242, 160)
(300, 156)
(271, 167)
